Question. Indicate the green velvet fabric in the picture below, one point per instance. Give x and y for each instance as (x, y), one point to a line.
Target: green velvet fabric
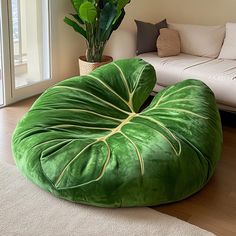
(85, 140)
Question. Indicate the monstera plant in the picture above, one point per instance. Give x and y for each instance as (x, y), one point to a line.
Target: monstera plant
(95, 20)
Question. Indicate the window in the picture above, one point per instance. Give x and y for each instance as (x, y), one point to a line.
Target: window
(30, 36)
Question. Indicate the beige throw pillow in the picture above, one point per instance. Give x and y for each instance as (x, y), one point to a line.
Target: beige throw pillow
(168, 43)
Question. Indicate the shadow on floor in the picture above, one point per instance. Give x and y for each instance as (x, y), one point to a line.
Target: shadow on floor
(228, 118)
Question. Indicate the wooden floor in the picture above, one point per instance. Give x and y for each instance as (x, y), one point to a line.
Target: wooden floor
(9, 116)
(213, 208)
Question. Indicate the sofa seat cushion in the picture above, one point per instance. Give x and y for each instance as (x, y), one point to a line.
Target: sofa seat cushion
(218, 74)
(85, 139)
(170, 70)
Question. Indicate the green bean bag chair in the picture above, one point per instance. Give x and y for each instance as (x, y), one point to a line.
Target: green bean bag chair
(85, 139)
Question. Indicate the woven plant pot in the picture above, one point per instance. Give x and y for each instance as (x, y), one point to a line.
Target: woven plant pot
(86, 67)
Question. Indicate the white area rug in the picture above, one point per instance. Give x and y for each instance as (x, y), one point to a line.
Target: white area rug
(29, 211)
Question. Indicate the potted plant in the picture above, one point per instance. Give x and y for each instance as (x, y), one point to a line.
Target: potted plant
(95, 20)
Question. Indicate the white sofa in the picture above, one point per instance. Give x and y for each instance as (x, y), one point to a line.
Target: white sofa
(218, 74)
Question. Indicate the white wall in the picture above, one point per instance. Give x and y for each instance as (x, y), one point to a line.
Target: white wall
(206, 12)
(67, 45)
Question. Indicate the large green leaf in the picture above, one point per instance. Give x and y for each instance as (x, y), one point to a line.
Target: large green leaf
(118, 21)
(120, 8)
(88, 12)
(121, 4)
(77, 18)
(107, 16)
(76, 27)
(85, 139)
(77, 4)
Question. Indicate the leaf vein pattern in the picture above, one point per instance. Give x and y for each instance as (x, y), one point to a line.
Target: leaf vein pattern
(57, 182)
(137, 152)
(177, 152)
(123, 78)
(183, 110)
(77, 126)
(110, 89)
(67, 142)
(125, 81)
(170, 94)
(103, 168)
(138, 80)
(53, 140)
(163, 136)
(177, 100)
(101, 139)
(94, 96)
(92, 112)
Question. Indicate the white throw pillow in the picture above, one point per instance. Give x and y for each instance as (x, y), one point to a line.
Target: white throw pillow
(228, 50)
(199, 40)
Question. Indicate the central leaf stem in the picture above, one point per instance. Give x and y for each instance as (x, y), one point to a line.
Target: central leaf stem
(118, 128)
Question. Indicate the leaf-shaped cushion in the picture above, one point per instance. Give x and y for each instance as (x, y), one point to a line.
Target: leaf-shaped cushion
(85, 140)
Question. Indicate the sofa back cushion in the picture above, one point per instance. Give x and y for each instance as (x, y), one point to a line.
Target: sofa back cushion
(199, 40)
(228, 50)
(147, 35)
(168, 43)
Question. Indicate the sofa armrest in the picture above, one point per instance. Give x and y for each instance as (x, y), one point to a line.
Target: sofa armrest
(122, 44)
